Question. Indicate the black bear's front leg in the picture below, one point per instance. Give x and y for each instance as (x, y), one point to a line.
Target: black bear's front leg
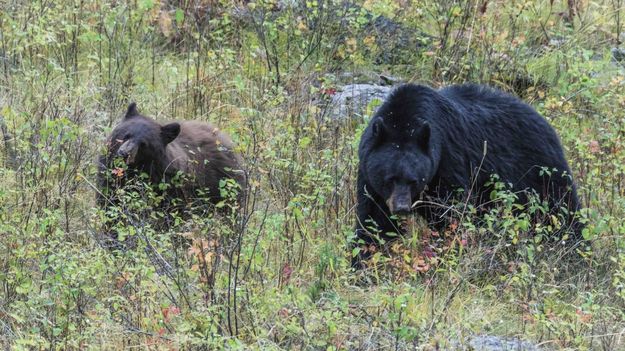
(373, 222)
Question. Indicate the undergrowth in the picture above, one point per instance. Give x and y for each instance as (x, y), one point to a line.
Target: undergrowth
(279, 277)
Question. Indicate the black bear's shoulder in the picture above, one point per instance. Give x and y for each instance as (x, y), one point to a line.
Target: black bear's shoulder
(408, 101)
(478, 94)
(410, 90)
(411, 95)
(488, 105)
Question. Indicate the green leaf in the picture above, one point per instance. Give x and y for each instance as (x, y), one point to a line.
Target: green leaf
(89, 36)
(23, 288)
(146, 4)
(179, 17)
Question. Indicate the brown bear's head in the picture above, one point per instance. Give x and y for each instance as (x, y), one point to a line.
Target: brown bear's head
(140, 141)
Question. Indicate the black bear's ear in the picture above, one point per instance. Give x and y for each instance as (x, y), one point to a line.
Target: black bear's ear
(424, 136)
(377, 130)
(132, 110)
(169, 132)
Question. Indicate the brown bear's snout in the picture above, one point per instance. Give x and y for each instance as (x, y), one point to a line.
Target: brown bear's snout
(128, 151)
(400, 201)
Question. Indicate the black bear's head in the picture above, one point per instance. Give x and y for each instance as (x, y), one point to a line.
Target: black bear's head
(399, 162)
(140, 141)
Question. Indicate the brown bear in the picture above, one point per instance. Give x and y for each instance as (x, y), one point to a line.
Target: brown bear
(195, 155)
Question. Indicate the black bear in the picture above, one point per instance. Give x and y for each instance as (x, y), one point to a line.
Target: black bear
(197, 151)
(427, 144)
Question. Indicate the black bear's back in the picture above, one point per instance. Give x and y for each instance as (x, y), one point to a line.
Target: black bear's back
(506, 135)
(481, 104)
(522, 148)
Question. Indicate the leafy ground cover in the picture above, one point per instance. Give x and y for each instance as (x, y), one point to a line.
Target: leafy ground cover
(266, 72)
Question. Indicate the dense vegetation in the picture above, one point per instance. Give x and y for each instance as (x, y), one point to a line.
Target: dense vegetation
(266, 72)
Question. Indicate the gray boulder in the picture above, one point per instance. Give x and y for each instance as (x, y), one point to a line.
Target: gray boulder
(352, 100)
(618, 54)
(496, 343)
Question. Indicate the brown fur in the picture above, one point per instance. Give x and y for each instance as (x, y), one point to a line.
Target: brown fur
(199, 150)
(206, 154)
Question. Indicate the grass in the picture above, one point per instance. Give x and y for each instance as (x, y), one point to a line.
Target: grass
(281, 279)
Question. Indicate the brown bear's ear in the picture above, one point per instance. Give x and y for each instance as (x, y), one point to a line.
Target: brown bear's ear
(132, 110)
(169, 132)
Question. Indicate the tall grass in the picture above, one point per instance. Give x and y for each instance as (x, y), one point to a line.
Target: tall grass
(280, 278)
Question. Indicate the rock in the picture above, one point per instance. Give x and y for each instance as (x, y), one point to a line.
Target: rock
(367, 77)
(557, 42)
(495, 343)
(352, 100)
(358, 77)
(388, 80)
(618, 54)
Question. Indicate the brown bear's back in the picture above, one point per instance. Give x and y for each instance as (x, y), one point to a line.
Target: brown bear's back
(201, 150)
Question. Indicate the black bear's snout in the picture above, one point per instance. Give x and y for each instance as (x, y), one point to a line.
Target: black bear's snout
(122, 153)
(400, 201)
(402, 209)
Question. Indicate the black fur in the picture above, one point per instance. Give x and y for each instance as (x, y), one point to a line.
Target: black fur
(428, 143)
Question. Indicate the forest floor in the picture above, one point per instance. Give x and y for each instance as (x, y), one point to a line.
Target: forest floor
(270, 74)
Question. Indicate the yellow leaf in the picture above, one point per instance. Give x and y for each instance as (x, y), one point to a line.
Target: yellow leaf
(164, 22)
(369, 40)
(351, 44)
(302, 26)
